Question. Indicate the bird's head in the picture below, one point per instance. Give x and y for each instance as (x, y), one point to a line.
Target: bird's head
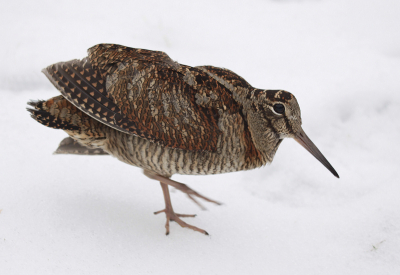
(274, 115)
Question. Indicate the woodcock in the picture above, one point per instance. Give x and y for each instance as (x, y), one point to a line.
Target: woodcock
(149, 111)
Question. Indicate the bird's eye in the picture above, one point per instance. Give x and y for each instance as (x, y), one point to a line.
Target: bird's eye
(279, 108)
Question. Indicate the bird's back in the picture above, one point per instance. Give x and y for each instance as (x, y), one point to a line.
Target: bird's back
(155, 113)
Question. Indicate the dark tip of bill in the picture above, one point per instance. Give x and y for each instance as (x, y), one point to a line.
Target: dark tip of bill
(336, 175)
(205, 232)
(333, 171)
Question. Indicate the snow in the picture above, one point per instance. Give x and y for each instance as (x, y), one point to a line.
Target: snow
(93, 215)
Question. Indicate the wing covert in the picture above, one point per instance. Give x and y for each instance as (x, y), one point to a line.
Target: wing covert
(156, 100)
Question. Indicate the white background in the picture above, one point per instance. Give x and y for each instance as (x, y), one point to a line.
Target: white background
(93, 215)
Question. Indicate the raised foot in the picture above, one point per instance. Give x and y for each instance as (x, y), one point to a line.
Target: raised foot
(191, 194)
(181, 187)
(172, 216)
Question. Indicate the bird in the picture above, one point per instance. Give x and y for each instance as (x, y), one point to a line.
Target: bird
(168, 118)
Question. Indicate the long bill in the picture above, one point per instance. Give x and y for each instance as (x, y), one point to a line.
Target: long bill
(304, 141)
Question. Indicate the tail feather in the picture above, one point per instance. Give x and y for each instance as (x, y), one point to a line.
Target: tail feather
(70, 146)
(42, 114)
(33, 103)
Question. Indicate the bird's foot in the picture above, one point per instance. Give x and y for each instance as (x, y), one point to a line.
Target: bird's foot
(181, 187)
(191, 194)
(172, 216)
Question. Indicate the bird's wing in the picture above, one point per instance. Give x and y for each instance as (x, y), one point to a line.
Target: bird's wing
(145, 93)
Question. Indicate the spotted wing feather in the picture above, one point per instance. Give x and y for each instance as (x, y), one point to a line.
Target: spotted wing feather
(85, 88)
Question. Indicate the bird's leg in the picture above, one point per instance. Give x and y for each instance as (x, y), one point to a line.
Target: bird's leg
(172, 216)
(180, 186)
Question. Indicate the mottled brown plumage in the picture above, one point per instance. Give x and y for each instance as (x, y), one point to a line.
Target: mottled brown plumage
(167, 118)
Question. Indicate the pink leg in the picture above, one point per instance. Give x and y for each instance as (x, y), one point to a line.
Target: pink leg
(172, 216)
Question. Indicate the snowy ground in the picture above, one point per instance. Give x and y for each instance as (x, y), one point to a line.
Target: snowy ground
(93, 215)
